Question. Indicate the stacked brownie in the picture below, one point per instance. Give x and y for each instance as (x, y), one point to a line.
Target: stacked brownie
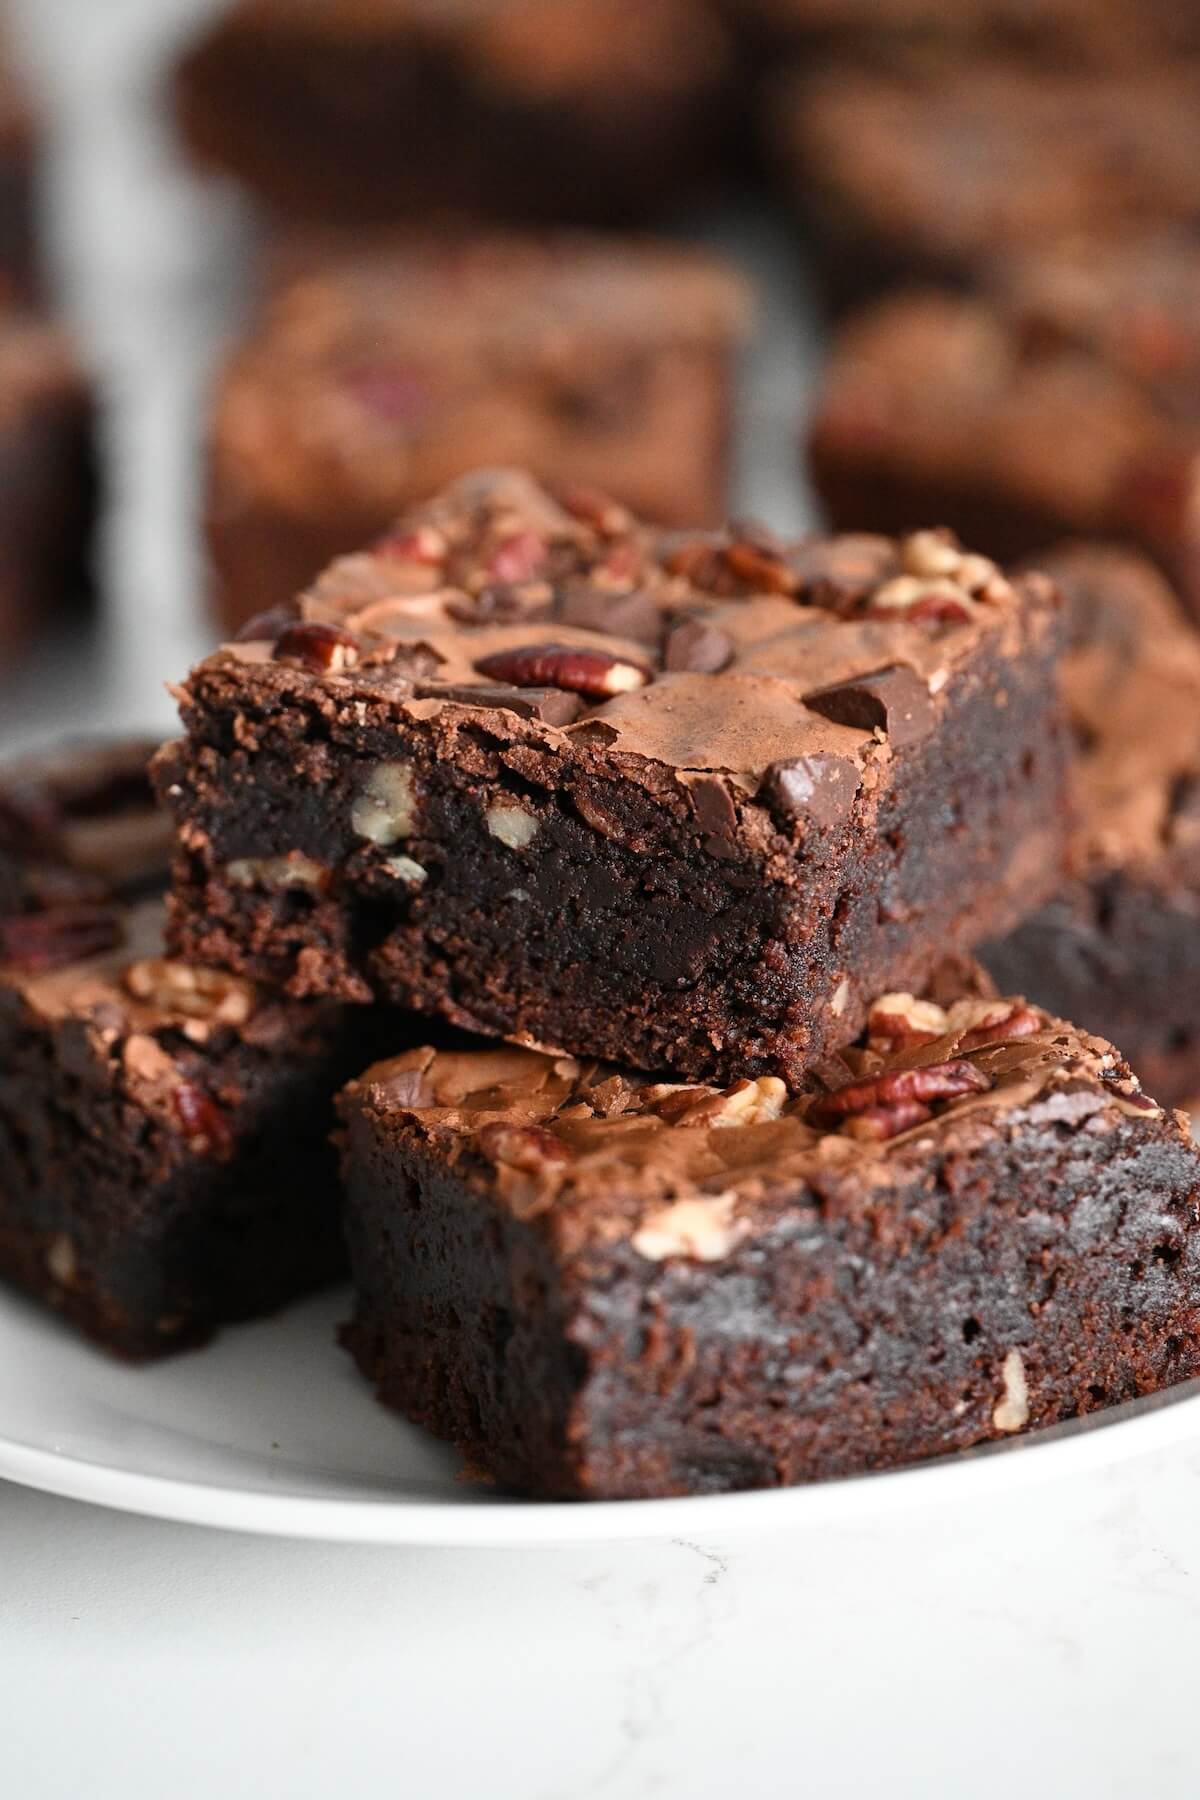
(751, 1184)
(375, 375)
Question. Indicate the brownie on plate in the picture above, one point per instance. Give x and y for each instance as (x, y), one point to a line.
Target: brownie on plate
(46, 473)
(1016, 427)
(378, 109)
(376, 376)
(686, 801)
(972, 1224)
(903, 175)
(1119, 947)
(163, 1156)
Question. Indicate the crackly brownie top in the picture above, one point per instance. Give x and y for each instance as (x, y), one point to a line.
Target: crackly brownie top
(951, 389)
(792, 669)
(1131, 678)
(958, 167)
(532, 47)
(364, 357)
(680, 1168)
(78, 825)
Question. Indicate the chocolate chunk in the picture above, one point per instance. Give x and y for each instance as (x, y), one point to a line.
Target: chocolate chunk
(628, 615)
(695, 648)
(894, 700)
(821, 787)
(716, 816)
(553, 706)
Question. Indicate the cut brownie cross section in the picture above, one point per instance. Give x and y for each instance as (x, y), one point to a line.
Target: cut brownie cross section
(163, 1155)
(1118, 947)
(683, 802)
(974, 1223)
(375, 376)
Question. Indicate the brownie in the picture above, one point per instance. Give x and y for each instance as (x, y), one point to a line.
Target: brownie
(1117, 948)
(973, 1224)
(376, 376)
(383, 109)
(1108, 34)
(903, 176)
(683, 800)
(18, 140)
(1013, 430)
(46, 474)
(164, 1164)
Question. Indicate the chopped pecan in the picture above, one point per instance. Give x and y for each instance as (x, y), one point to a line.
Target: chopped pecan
(517, 557)
(204, 1125)
(878, 1123)
(529, 1148)
(597, 674)
(311, 645)
(196, 993)
(53, 940)
(914, 599)
(898, 1021)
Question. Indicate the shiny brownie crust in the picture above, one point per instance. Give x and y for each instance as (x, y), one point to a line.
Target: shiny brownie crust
(597, 1290)
(642, 846)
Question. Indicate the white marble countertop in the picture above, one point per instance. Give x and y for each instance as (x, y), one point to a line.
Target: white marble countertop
(1032, 1642)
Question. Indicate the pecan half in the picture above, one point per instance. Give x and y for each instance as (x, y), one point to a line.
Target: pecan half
(938, 1081)
(1000, 1025)
(878, 1123)
(899, 1021)
(597, 674)
(325, 648)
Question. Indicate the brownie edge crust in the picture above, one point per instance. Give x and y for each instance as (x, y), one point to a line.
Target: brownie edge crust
(600, 1289)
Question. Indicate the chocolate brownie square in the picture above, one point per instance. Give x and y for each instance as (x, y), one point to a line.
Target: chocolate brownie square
(1119, 947)
(1012, 427)
(688, 801)
(383, 109)
(900, 175)
(46, 473)
(375, 376)
(973, 1224)
(164, 1164)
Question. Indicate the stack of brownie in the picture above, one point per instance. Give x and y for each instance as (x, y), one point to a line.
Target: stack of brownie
(745, 1174)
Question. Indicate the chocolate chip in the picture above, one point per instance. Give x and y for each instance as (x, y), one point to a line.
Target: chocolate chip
(821, 787)
(695, 648)
(894, 700)
(630, 615)
(553, 706)
(716, 816)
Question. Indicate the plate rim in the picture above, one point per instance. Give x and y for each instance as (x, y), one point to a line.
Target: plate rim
(1138, 1427)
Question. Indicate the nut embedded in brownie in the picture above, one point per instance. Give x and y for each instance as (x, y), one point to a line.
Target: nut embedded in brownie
(972, 1223)
(941, 174)
(1020, 421)
(1117, 948)
(371, 110)
(683, 801)
(375, 376)
(163, 1156)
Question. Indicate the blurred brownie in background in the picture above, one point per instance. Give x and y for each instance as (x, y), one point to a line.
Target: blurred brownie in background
(1101, 33)
(16, 176)
(46, 474)
(1053, 409)
(376, 377)
(1121, 943)
(903, 175)
(378, 109)
(164, 1164)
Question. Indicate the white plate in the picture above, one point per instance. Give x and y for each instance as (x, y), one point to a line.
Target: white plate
(271, 1430)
